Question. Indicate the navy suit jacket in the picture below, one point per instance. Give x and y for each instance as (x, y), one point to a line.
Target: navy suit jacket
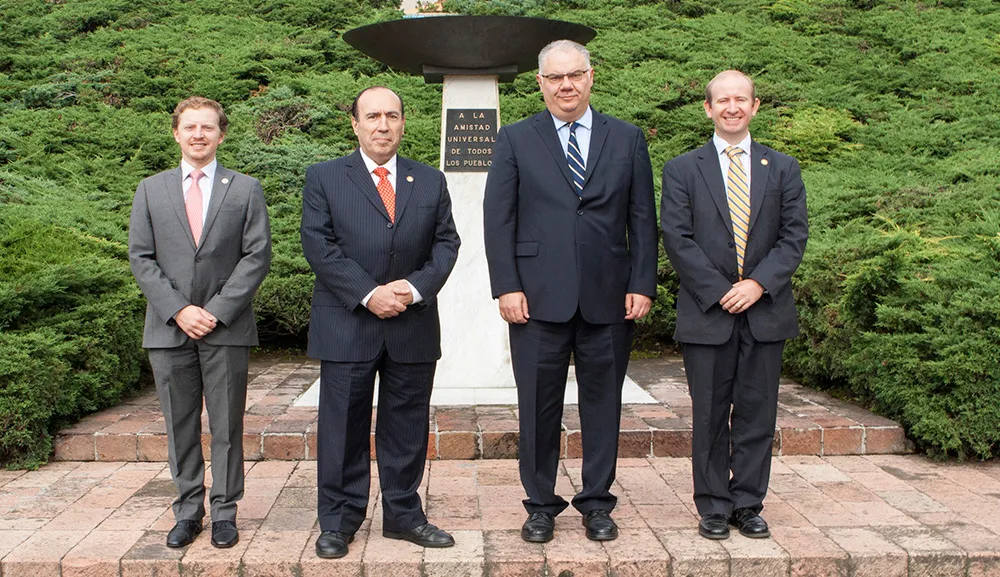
(353, 247)
(698, 236)
(566, 253)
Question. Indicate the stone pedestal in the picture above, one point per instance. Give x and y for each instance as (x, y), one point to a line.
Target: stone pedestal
(474, 344)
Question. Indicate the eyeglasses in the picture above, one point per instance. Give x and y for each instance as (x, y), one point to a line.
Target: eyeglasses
(575, 76)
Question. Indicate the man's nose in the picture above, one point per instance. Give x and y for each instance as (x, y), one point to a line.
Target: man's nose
(383, 123)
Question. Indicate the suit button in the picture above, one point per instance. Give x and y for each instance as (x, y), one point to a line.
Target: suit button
(580, 212)
(392, 254)
(389, 225)
(731, 244)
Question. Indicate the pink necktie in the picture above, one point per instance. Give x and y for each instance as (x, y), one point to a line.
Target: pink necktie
(193, 205)
(385, 191)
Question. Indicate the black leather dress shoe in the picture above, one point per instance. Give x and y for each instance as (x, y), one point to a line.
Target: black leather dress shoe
(224, 534)
(426, 535)
(183, 533)
(332, 544)
(750, 524)
(538, 528)
(600, 526)
(714, 526)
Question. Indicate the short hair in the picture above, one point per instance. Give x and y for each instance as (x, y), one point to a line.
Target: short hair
(559, 46)
(354, 105)
(708, 87)
(197, 102)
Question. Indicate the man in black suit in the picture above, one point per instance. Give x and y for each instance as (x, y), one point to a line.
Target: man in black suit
(735, 227)
(570, 224)
(378, 232)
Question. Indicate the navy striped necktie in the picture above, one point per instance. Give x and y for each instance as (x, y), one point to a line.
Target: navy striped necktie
(577, 167)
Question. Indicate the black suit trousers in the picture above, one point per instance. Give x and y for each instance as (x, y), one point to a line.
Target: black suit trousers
(734, 398)
(343, 441)
(540, 354)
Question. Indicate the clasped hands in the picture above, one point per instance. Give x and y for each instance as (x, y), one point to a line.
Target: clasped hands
(195, 321)
(389, 300)
(742, 296)
(514, 307)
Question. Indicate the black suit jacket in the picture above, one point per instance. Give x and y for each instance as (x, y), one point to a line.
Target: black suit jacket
(353, 247)
(698, 236)
(563, 252)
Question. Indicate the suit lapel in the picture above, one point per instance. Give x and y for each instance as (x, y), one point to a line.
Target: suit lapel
(758, 179)
(598, 135)
(711, 171)
(220, 186)
(174, 187)
(547, 132)
(358, 172)
(404, 185)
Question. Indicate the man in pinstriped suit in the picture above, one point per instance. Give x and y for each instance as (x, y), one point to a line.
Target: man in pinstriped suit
(377, 230)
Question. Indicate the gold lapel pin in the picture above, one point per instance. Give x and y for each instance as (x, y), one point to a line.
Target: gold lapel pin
(226, 180)
(763, 161)
(409, 179)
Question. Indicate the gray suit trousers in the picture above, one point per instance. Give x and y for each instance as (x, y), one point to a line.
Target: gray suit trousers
(183, 376)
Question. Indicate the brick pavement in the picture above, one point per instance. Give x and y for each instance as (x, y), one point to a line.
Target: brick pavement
(809, 423)
(877, 515)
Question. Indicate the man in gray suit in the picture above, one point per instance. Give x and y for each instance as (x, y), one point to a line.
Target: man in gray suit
(199, 246)
(378, 232)
(734, 225)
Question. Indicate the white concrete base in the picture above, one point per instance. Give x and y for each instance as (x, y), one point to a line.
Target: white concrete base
(632, 394)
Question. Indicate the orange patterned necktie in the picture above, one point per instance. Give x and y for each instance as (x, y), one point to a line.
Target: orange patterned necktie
(193, 205)
(385, 191)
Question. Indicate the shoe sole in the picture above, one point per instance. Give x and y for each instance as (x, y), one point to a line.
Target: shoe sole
(225, 545)
(763, 535)
(610, 537)
(714, 536)
(401, 537)
(536, 539)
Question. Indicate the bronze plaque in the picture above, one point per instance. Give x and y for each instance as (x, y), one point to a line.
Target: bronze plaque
(469, 137)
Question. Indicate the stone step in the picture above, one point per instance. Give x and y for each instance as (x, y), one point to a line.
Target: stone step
(809, 423)
(885, 516)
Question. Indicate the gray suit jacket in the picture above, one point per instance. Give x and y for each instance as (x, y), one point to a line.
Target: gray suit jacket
(220, 275)
(698, 236)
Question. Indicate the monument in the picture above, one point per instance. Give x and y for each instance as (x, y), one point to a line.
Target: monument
(470, 55)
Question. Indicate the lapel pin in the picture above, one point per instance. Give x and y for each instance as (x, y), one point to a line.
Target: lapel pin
(409, 179)
(226, 180)
(763, 161)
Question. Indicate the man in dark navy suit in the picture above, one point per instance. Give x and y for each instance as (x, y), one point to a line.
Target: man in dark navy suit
(570, 224)
(377, 230)
(734, 226)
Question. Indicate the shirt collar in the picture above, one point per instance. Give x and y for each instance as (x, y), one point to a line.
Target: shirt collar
(209, 169)
(721, 145)
(371, 165)
(586, 121)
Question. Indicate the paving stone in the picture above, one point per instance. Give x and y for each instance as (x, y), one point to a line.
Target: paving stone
(888, 440)
(99, 554)
(204, 560)
(574, 554)
(759, 557)
(871, 554)
(39, 555)
(390, 557)
(981, 546)
(79, 519)
(75, 447)
(843, 441)
(693, 556)
(275, 553)
(930, 554)
(811, 553)
(465, 559)
(507, 555)
(637, 553)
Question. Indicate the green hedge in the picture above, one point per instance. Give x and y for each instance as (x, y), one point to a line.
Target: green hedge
(892, 107)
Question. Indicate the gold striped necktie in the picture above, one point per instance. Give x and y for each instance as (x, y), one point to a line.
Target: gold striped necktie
(738, 195)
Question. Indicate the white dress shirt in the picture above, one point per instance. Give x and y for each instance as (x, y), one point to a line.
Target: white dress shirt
(583, 131)
(721, 146)
(390, 165)
(205, 182)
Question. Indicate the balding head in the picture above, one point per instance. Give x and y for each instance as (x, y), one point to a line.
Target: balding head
(729, 74)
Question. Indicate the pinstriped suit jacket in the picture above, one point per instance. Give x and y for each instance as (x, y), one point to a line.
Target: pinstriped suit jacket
(353, 247)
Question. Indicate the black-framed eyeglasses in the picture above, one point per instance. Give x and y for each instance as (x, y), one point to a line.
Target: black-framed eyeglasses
(575, 76)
